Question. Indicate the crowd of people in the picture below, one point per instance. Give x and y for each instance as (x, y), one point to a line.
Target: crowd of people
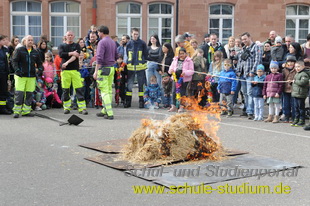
(82, 73)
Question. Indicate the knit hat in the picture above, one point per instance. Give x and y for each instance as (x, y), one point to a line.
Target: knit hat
(40, 81)
(48, 80)
(278, 39)
(290, 58)
(260, 67)
(274, 64)
(165, 75)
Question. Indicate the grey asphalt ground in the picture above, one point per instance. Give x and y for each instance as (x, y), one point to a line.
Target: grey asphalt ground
(42, 164)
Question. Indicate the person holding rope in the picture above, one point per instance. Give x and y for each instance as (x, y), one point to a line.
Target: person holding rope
(250, 58)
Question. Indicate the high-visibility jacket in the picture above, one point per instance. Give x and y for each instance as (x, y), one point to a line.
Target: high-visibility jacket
(137, 54)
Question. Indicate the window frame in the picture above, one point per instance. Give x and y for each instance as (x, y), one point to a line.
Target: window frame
(128, 17)
(221, 17)
(26, 14)
(160, 16)
(65, 16)
(297, 18)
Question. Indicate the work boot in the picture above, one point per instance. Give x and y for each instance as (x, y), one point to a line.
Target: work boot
(244, 114)
(67, 111)
(28, 115)
(276, 119)
(5, 111)
(141, 102)
(127, 102)
(101, 115)
(269, 118)
(84, 112)
(307, 127)
(109, 117)
(15, 115)
(250, 116)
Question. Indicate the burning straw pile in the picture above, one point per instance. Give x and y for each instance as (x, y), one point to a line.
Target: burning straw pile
(179, 137)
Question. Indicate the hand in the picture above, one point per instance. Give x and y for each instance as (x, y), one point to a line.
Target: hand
(95, 75)
(232, 92)
(165, 95)
(277, 95)
(64, 65)
(218, 91)
(74, 53)
(264, 96)
(183, 74)
(254, 82)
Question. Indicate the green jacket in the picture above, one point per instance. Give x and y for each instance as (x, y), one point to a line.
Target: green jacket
(198, 68)
(301, 84)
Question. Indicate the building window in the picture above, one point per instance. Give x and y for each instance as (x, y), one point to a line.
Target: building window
(26, 19)
(128, 16)
(298, 22)
(160, 21)
(221, 21)
(64, 16)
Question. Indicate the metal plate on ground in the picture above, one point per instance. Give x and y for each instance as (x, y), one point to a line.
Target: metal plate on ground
(114, 161)
(251, 164)
(116, 145)
(109, 146)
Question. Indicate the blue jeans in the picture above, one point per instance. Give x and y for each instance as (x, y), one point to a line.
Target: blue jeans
(237, 91)
(300, 111)
(152, 70)
(246, 89)
(259, 107)
(288, 105)
(167, 100)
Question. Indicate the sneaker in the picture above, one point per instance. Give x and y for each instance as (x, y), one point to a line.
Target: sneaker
(84, 112)
(15, 115)
(283, 117)
(295, 122)
(28, 115)
(229, 114)
(244, 114)
(260, 119)
(241, 106)
(250, 116)
(301, 123)
(109, 117)
(67, 111)
(255, 119)
(38, 108)
(101, 115)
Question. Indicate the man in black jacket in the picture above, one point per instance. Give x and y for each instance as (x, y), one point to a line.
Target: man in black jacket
(4, 72)
(25, 62)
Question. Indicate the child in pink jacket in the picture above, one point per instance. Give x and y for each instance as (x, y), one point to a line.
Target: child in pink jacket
(182, 70)
(52, 98)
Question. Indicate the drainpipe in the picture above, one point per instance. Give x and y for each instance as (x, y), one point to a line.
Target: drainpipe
(94, 13)
(177, 18)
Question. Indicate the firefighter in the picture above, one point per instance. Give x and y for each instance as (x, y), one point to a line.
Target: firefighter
(4, 72)
(69, 52)
(25, 61)
(136, 65)
(106, 56)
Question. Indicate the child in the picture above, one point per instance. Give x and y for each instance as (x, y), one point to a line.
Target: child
(277, 51)
(152, 94)
(167, 87)
(120, 80)
(49, 67)
(182, 70)
(257, 92)
(288, 101)
(300, 88)
(215, 69)
(227, 86)
(199, 66)
(52, 98)
(272, 92)
(39, 99)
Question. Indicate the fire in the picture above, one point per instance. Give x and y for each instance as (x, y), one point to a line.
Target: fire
(188, 136)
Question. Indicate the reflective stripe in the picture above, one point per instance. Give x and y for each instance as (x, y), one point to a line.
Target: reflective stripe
(140, 55)
(141, 94)
(81, 105)
(138, 67)
(67, 105)
(128, 93)
(17, 109)
(129, 55)
(26, 109)
(2, 103)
